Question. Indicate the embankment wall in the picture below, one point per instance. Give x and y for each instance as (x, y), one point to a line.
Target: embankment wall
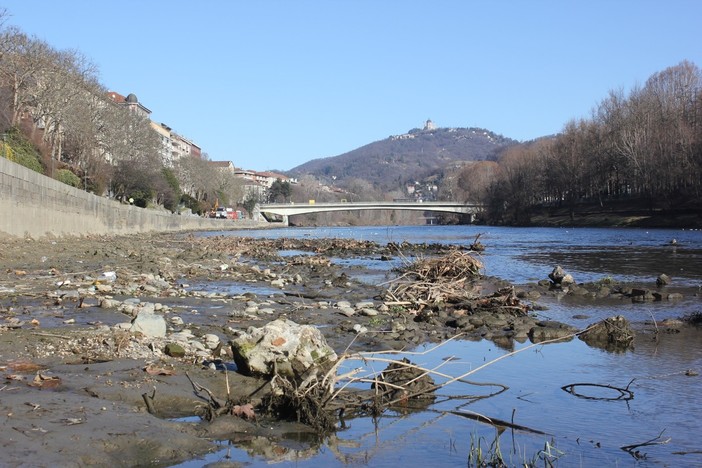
(33, 205)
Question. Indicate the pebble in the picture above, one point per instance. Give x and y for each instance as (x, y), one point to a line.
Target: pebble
(368, 312)
(347, 311)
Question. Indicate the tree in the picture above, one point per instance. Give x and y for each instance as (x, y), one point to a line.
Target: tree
(133, 148)
(278, 191)
(198, 179)
(250, 203)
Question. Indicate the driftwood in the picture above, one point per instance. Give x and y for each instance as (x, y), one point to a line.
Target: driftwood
(438, 279)
(637, 454)
(624, 393)
(496, 422)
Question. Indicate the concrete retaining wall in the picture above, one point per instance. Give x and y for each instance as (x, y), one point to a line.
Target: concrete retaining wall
(33, 205)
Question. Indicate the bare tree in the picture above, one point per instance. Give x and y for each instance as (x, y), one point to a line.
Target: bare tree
(21, 61)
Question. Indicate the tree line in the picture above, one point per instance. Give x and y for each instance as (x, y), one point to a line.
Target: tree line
(57, 118)
(642, 148)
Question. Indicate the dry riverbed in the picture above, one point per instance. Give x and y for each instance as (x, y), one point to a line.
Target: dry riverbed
(82, 386)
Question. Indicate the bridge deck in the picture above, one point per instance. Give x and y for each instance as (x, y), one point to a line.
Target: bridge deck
(290, 209)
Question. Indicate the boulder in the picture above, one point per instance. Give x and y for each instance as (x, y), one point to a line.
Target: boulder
(281, 347)
(612, 334)
(149, 324)
(547, 330)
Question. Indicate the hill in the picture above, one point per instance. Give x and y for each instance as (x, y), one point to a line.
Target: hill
(415, 155)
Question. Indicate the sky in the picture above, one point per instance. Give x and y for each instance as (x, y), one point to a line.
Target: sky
(272, 84)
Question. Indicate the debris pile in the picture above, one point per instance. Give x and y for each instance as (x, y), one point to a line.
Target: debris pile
(443, 279)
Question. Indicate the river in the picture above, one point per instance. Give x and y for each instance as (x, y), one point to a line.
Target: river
(658, 410)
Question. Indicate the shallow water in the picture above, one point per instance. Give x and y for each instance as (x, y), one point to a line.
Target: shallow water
(585, 431)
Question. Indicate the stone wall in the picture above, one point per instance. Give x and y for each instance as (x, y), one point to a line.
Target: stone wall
(33, 205)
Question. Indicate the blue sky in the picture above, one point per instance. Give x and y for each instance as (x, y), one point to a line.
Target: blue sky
(272, 84)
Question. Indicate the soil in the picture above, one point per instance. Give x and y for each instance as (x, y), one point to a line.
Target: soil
(77, 384)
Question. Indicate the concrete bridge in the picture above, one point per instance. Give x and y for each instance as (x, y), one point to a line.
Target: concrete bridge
(289, 209)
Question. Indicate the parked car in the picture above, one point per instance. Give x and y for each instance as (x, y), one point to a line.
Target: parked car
(225, 213)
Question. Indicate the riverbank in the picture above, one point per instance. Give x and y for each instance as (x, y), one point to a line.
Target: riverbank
(622, 216)
(79, 379)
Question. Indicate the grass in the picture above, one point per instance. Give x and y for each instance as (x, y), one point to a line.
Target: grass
(489, 455)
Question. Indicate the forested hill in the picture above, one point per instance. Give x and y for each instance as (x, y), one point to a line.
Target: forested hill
(389, 163)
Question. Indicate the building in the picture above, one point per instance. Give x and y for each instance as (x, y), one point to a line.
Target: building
(130, 102)
(173, 145)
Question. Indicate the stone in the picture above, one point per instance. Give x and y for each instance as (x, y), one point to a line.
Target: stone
(612, 334)
(557, 274)
(368, 312)
(174, 350)
(547, 330)
(106, 303)
(567, 279)
(364, 305)
(663, 280)
(281, 347)
(347, 311)
(211, 341)
(149, 324)
(175, 320)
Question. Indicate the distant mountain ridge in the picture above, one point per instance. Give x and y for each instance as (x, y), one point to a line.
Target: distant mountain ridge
(419, 153)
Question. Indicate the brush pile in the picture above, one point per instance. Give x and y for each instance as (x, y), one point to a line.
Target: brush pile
(444, 279)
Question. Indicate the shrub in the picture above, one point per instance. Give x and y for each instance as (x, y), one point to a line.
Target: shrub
(18, 149)
(68, 177)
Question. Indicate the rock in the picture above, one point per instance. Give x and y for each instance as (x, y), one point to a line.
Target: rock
(106, 303)
(149, 324)
(103, 288)
(663, 280)
(176, 321)
(612, 334)
(364, 305)
(211, 341)
(368, 312)
(549, 330)
(642, 295)
(174, 350)
(347, 311)
(281, 347)
(343, 304)
(557, 274)
(567, 279)
(182, 336)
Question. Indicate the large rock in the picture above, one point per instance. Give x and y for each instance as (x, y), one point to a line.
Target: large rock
(149, 324)
(612, 334)
(281, 347)
(548, 330)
